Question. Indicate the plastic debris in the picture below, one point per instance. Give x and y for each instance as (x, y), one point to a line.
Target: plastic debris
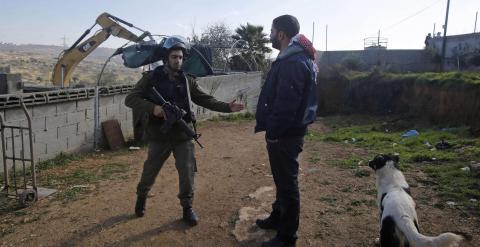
(450, 203)
(465, 169)
(411, 133)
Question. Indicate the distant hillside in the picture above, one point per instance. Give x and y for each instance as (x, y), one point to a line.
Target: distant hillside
(35, 63)
(52, 50)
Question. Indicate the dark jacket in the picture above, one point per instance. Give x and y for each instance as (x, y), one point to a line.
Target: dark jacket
(173, 89)
(288, 99)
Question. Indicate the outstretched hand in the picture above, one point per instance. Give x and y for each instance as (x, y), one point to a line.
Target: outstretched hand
(235, 107)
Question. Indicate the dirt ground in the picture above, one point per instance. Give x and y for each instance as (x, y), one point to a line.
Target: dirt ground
(233, 187)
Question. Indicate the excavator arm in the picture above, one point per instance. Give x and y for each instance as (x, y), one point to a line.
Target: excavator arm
(70, 58)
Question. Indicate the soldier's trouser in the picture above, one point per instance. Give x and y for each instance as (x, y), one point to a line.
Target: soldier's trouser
(158, 153)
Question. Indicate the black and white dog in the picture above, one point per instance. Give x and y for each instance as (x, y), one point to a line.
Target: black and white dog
(399, 222)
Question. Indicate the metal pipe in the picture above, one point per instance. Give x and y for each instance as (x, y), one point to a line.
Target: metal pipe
(444, 43)
(22, 154)
(475, 27)
(30, 137)
(14, 165)
(5, 168)
(96, 120)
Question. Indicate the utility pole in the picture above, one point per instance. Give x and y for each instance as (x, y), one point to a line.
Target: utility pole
(313, 32)
(475, 27)
(378, 38)
(326, 38)
(444, 43)
(433, 34)
(64, 42)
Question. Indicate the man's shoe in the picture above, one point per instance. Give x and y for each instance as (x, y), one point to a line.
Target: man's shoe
(190, 217)
(267, 223)
(140, 206)
(277, 242)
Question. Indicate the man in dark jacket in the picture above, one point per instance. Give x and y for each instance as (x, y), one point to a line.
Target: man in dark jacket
(171, 82)
(286, 106)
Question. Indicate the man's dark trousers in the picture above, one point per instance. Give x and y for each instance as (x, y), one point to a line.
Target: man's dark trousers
(283, 154)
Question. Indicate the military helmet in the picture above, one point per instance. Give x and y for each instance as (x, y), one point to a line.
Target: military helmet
(175, 42)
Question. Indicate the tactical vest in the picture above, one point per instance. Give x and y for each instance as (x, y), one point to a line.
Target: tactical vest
(174, 92)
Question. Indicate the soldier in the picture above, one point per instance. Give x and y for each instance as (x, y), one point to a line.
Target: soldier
(171, 82)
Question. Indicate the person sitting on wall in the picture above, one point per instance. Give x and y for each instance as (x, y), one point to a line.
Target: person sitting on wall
(427, 40)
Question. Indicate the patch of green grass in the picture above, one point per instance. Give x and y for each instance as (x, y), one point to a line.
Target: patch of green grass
(357, 203)
(329, 200)
(362, 173)
(234, 117)
(454, 183)
(349, 163)
(70, 194)
(233, 219)
(109, 170)
(412, 149)
(417, 152)
(60, 160)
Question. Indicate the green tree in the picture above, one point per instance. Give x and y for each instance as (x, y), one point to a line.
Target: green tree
(254, 42)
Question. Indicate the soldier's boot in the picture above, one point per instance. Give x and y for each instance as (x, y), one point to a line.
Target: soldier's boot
(140, 206)
(189, 216)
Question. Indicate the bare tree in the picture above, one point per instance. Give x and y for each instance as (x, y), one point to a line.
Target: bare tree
(219, 37)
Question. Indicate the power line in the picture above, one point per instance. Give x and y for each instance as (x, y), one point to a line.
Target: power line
(401, 21)
(410, 16)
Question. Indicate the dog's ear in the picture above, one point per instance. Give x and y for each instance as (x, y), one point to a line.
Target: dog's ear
(372, 165)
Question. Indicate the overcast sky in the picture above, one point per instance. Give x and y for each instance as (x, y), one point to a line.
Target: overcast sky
(404, 23)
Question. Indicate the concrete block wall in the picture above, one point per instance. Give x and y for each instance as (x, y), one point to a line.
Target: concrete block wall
(244, 87)
(68, 125)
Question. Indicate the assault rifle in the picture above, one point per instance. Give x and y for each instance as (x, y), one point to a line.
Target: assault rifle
(174, 115)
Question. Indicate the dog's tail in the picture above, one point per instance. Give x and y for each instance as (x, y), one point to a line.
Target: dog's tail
(447, 239)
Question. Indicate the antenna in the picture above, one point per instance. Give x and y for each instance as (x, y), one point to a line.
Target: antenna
(313, 32)
(64, 42)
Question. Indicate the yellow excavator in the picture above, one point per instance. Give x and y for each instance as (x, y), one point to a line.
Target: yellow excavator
(70, 58)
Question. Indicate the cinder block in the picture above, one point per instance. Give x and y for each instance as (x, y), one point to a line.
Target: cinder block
(67, 131)
(74, 142)
(85, 126)
(54, 148)
(45, 136)
(55, 121)
(17, 148)
(85, 104)
(127, 128)
(39, 149)
(119, 99)
(14, 114)
(89, 114)
(65, 107)
(44, 110)
(76, 117)
(103, 113)
(111, 110)
(105, 101)
(39, 123)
